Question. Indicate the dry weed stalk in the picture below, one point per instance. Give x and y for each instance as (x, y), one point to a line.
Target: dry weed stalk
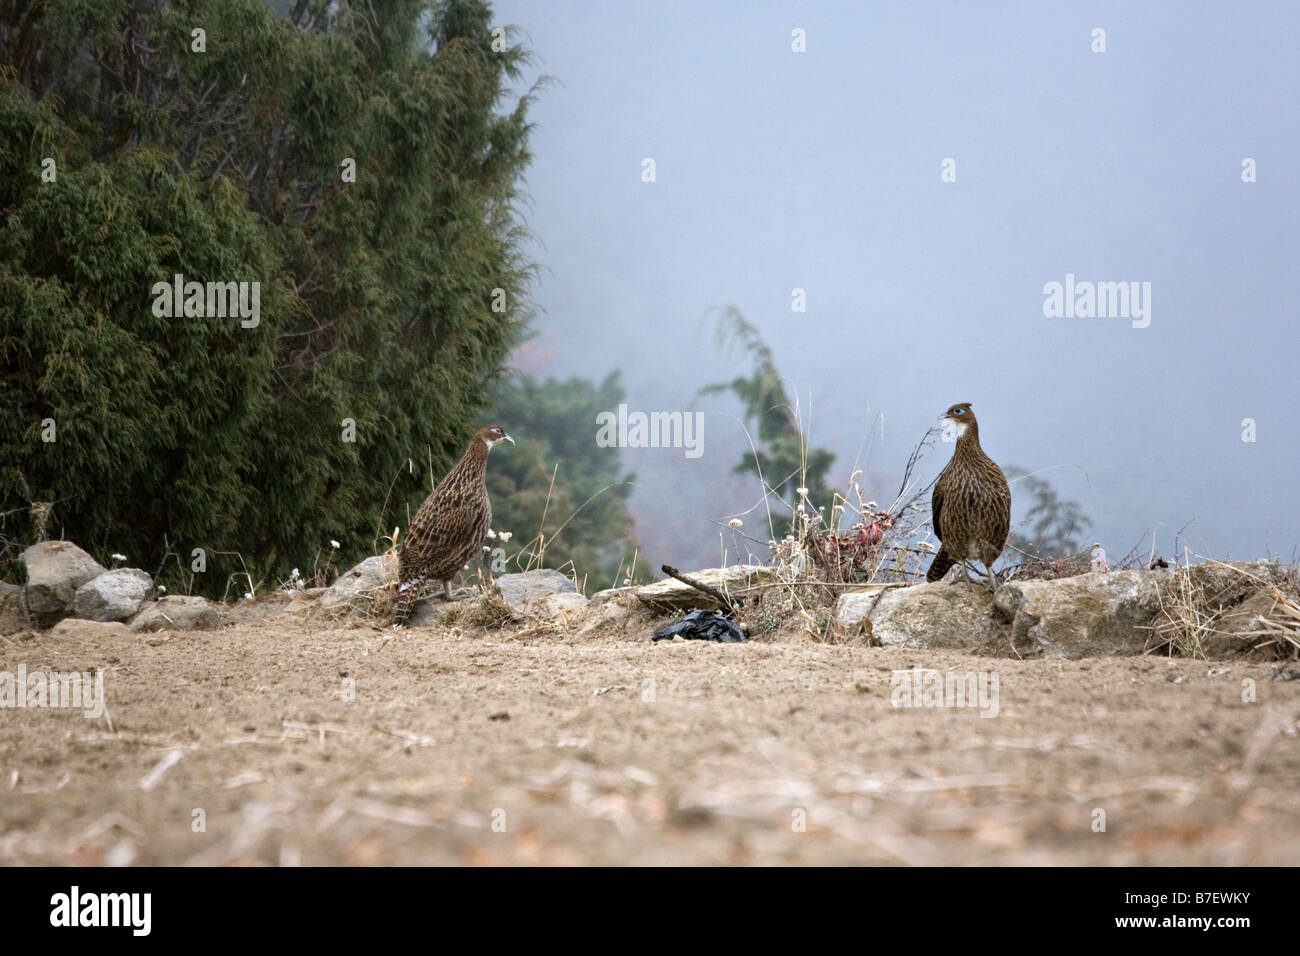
(1191, 616)
(860, 543)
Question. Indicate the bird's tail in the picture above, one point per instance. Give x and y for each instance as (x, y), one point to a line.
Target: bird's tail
(940, 565)
(406, 595)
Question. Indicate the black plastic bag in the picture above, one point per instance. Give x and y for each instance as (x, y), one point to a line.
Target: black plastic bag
(703, 626)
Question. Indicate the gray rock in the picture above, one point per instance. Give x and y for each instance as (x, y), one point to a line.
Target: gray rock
(1248, 624)
(78, 629)
(355, 587)
(112, 596)
(178, 612)
(567, 608)
(621, 616)
(950, 616)
(529, 587)
(1091, 614)
(1101, 612)
(12, 619)
(429, 612)
(55, 569)
(672, 595)
(271, 604)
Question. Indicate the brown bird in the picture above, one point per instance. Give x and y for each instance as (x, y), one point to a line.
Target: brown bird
(971, 503)
(450, 526)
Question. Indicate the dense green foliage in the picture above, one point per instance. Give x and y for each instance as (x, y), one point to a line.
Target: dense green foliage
(781, 454)
(377, 296)
(561, 497)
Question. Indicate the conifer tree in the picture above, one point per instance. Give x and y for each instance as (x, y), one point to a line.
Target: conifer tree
(561, 496)
(360, 161)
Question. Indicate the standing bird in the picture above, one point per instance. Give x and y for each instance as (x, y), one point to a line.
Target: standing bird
(1097, 558)
(450, 526)
(971, 503)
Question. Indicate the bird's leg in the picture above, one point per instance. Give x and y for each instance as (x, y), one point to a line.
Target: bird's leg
(965, 576)
(993, 578)
(446, 590)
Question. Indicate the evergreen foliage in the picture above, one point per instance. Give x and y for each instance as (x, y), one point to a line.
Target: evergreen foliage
(783, 456)
(556, 487)
(377, 295)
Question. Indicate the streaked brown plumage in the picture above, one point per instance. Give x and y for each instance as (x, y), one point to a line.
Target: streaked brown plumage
(971, 503)
(450, 526)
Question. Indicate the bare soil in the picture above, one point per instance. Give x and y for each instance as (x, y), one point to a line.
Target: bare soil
(492, 747)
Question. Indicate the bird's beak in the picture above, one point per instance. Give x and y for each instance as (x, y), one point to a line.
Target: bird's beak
(509, 439)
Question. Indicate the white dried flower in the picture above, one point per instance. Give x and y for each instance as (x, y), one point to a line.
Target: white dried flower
(161, 589)
(119, 557)
(856, 475)
(925, 546)
(736, 523)
(334, 544)
(505, 536)
(871, 506)
(491, 533)
(802, 492)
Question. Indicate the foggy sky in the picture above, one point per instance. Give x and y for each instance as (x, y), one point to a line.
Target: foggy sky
(821, 170)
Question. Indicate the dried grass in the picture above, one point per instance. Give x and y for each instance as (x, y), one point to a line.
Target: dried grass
(1191, 617)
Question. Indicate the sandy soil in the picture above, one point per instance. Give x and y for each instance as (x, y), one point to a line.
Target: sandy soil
(491, 748)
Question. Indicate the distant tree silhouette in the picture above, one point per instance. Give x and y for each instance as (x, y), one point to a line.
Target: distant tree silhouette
(1055, 526)
(783, 457)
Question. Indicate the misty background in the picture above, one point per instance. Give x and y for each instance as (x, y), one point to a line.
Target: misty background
(820, 170)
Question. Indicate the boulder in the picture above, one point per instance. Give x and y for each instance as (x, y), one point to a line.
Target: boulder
(564, 607)
(1101, 612)
(733, 581)
(355, 588)
(1268, 620)
(513, 598)
(943, 615)
(430, 611)
(521, 590)
(271, 604)
(112, 596)
(1090, 614)
(178, 612)
(55, 569)
(12, 620)
(622, 616)
(79, 629)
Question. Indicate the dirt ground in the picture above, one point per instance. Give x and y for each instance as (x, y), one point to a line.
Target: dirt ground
(322, 744)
